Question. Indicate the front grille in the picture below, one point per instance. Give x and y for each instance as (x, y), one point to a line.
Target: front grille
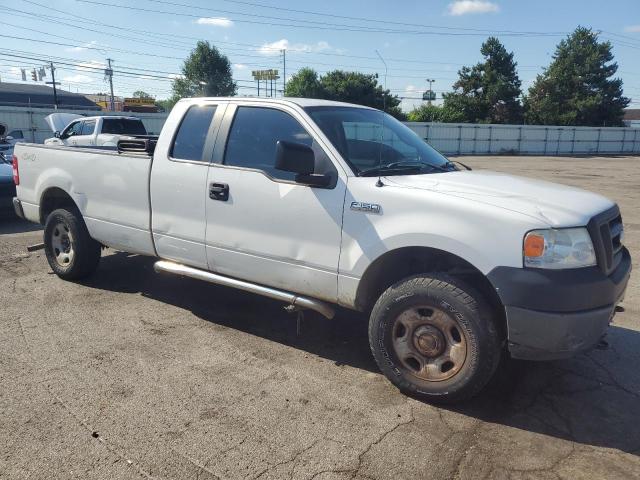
(607, 232)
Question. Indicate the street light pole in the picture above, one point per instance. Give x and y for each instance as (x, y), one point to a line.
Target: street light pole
(431, 81)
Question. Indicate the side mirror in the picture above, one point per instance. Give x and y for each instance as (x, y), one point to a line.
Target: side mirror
(56, 134)
(295, 157)
(300, 159)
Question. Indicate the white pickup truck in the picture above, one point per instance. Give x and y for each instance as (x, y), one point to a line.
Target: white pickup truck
(102, 131)
(323, 204)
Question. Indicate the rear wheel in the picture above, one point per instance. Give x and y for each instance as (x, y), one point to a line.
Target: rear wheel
(434, 337)
(72, 254)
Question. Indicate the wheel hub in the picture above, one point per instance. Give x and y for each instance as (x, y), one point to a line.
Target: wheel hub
(429, 341)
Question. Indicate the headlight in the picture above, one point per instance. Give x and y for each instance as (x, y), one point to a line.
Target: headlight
(556, 249)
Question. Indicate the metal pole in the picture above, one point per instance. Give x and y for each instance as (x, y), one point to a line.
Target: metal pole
(284, 71)
(520, 139)
(110, 73)
(598, 144)
(55, 91)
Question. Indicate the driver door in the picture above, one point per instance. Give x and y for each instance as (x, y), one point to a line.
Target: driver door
(67, 136)
(268, 229)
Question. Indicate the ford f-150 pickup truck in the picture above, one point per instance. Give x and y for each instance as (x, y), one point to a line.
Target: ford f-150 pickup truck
(323, 204)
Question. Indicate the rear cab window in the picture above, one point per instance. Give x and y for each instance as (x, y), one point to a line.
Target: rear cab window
(123, 126)
(190, 139)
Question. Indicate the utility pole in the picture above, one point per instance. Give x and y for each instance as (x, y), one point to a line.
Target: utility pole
(284, 71)
(53, 83)
(109, 73)
(431, 81)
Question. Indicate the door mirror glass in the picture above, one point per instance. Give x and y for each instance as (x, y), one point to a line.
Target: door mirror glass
(294, 157)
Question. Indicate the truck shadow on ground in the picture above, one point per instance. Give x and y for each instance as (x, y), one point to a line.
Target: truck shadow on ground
(593, 399)
(9, 223)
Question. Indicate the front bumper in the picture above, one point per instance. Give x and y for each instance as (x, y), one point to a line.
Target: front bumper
(554, 314)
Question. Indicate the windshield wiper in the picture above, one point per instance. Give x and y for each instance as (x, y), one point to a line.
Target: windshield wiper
(401, 167)
(451, 162)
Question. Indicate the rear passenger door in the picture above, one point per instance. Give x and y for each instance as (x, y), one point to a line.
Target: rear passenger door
(179, 185)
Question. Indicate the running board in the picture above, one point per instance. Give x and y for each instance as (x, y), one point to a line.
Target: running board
(298, 301)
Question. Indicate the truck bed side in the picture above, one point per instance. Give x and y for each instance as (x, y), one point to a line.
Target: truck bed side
(111, 190)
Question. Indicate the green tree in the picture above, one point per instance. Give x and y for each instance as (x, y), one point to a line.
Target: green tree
(339, 85)
(205, 73)
(141, 94)
(305, 84)
(489, 91)
(577, 88)
(434, 113)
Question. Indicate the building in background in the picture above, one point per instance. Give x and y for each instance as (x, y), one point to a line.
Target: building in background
(632, 117)
(124, 104)
(41, 96)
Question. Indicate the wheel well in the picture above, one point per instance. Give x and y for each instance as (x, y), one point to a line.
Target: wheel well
(397, 264)
(52, 199)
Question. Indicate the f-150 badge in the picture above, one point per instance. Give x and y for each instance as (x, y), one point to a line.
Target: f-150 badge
(366, 207)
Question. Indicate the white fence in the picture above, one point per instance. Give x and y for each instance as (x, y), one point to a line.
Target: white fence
(481, 139)
(449, 138)
(31, 120)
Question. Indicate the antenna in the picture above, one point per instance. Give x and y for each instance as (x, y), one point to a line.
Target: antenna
(384, 111)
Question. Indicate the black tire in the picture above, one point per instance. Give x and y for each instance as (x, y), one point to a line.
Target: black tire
(72, 254)
(421, 316)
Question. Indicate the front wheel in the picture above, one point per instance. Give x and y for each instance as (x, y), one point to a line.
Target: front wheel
(71, 252)
(435, 338)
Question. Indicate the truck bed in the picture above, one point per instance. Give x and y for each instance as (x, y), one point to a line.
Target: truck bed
(111, 190)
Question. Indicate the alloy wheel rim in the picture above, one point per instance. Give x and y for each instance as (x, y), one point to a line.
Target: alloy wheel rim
(429, 343)
(62, 244)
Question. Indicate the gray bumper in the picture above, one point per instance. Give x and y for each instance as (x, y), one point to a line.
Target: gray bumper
(537, 335)
(553, 314)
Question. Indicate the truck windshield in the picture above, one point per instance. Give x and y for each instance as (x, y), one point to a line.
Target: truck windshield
(373, 142)
(123, 126)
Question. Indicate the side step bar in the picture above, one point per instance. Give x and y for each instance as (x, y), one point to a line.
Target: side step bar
(319, 306)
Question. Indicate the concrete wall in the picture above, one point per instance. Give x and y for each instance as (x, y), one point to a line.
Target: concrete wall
(478, 139)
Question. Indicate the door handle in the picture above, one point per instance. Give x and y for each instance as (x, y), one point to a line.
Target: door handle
(219, 191)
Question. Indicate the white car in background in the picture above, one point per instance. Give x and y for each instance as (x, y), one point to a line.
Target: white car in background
(102, 131)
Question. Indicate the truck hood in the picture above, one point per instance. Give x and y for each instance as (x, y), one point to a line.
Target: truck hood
(552, 203)
(57, 121)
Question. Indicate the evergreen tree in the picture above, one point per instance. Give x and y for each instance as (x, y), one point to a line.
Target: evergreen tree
(577, 88)
(489, 91)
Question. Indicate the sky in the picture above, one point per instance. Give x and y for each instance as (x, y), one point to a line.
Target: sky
(148, 40)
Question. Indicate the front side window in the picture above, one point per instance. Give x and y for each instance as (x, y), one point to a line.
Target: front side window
(253, 137)
(73, 129)
(373, 142)
(192, 133)
(88, 127)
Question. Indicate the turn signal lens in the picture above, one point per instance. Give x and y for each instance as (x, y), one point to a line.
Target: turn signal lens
(533, 245)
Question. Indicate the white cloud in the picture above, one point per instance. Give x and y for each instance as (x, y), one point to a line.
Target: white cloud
(632, 29)
(173, 76)
(411, 89)
(239, 66)
(79, 78)
(82, 48)
(91, 66)
(215, 21)
(463, 7)
(274, 48)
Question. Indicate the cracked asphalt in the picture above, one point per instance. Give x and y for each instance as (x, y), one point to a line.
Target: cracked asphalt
(134, 374)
